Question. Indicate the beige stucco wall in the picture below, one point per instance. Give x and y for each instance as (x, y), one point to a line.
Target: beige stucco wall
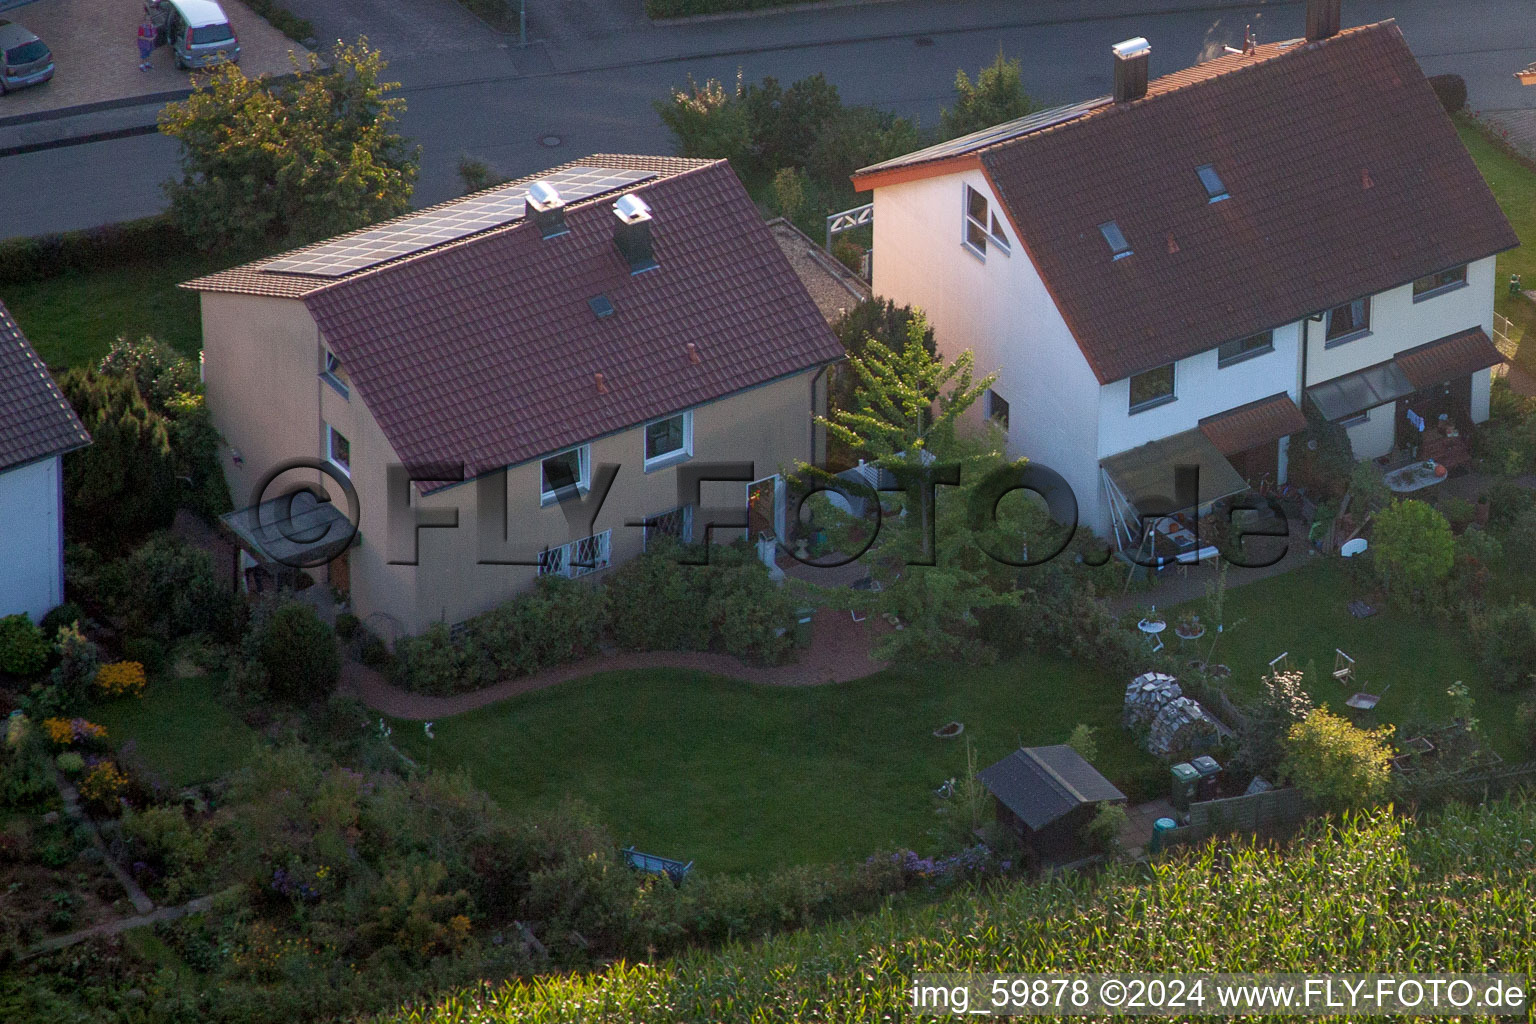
(262, 361)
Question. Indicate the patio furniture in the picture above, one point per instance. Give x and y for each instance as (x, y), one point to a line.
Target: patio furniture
(1280, 663)
(1367, 701)
(1151, 627)
(1413, 477)
(1343, 667)
(652, 864)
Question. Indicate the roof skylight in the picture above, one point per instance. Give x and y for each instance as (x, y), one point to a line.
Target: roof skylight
(1215, 190)
(1119, 248)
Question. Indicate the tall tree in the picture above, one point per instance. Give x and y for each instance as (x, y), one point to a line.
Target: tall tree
(122, 485)
(997, 95)
(293, 159)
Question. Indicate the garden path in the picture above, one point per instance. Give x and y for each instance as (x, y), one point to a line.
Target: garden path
(839, 652)
(124, 924)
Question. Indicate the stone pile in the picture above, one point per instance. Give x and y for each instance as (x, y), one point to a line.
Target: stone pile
(1181, 725)
(1146, 696)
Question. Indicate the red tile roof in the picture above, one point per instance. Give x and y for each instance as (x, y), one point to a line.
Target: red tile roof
(1345, 178)
(36, 421)
(486, 352)
(1256, 423)
(1449, 358)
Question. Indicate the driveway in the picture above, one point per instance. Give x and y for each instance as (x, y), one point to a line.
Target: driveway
(94, 46)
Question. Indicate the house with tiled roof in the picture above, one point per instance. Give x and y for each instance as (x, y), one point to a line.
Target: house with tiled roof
(531, 380)
(1169, 275)
(37, 428)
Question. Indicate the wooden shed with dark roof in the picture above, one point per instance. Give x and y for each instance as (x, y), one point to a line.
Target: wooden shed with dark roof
(1045, 795)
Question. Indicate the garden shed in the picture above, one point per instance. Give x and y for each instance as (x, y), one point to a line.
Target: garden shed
(1046, 795)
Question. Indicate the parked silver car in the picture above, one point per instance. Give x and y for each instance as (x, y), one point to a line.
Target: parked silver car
(24, 58)
(197, 32)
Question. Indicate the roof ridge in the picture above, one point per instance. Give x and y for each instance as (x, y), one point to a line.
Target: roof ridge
(1056, 777)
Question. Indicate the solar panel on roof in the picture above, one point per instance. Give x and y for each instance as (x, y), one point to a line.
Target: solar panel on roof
(431, 228)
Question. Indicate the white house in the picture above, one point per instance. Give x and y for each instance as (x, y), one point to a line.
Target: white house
(37, 426)
(1168, 275)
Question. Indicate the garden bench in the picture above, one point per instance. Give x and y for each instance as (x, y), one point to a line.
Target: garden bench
(649, 862)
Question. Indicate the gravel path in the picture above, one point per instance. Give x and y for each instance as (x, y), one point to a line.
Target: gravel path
(839, 652)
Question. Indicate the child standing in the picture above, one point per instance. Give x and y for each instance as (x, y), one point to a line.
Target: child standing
(147, 33)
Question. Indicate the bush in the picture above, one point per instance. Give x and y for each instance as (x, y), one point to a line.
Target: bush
(169, 843)
(23, 647)
(119, 678)
(1451, 90)
(1508, 641)
(1525, 714)
(1412, 547)
(166, 589)
(1083, 742)
(430, 662)
(750, 617)
(1336, 765)
(1508, 504)
(297, 652)
(1102, 834)
(102, 786)
(70, 762)
(66, 614)
(300, 30)
(129, 243)
(145, 650)
(76, 670)
(347, 625)
(1283, 703)
(1459, 512)
(647, 598)
(1369, 489)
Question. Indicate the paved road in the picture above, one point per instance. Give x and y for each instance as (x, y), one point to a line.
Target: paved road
(593, 71)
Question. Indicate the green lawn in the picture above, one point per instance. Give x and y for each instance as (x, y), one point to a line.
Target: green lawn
(1304, 613)
(181, 728)
(1514, 186)
(72, 320)
(747, 777)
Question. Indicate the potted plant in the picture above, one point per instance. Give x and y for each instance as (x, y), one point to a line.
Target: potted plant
(1188, 627)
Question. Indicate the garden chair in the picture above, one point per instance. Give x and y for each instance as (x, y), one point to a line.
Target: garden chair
(1343, 667)
(1280, 663)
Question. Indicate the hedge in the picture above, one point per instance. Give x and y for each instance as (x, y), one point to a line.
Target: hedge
(689, 8)
(133, 242)
(289, 24)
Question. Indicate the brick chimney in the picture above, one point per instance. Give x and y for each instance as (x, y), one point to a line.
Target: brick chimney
(1323, 19)
(633, 234)
(1131, 58)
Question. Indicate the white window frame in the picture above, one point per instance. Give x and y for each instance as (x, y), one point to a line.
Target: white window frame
(1353, 335)
(331, 372)
(596, 550)
(993, 398)
(331, 434)
(1153, 403)
(1357, 420)
(1269, 346)
(583, 474)
(675, 456)
(991, 229)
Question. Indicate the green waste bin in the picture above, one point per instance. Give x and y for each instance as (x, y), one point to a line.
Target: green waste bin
(803, 618)
(1160, 826)
(1185, 777)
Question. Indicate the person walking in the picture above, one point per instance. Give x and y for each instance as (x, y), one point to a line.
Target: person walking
(147, 34)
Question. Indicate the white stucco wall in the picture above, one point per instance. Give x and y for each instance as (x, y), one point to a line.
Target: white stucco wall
(31, 546)
(1375, 436)
(999, 309)
(1399, 323)
(1201, 388)
(1482, 381)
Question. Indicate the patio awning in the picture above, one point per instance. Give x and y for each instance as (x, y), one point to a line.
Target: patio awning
(296, 530)
(1142, 481)
(1356, 392)
(1256, 423)
(1449, 358)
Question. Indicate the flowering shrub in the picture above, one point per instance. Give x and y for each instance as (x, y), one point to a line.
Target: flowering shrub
(103, 784)
(121, 677)
(67, 731)
(70, 763)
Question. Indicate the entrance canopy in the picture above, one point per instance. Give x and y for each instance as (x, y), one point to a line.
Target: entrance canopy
(297, 530)
(1449, 358)
(1248, 426)
(1353, 393)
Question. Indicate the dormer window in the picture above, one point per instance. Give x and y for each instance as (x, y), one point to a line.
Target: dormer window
(334, 375)
(981, 225)
(1215, 190)
(1119, 248)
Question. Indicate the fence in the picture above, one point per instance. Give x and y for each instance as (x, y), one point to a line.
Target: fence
(1478, 788)
(1274, 812)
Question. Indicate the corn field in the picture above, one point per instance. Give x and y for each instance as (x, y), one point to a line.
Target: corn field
(1370, 894)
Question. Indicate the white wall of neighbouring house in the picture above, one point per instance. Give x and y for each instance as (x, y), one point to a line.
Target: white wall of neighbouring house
(1482, 383)
(998, 308)
(1398, 323)
(31, 542)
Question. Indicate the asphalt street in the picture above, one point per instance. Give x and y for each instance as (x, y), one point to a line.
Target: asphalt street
(587, 79)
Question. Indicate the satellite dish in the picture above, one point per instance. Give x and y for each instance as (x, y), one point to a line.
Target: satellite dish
(1354, 547)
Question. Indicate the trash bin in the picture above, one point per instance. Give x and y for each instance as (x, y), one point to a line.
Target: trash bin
(1185, 778)
(1210, 783)
(1160, 826)
(803, 618)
